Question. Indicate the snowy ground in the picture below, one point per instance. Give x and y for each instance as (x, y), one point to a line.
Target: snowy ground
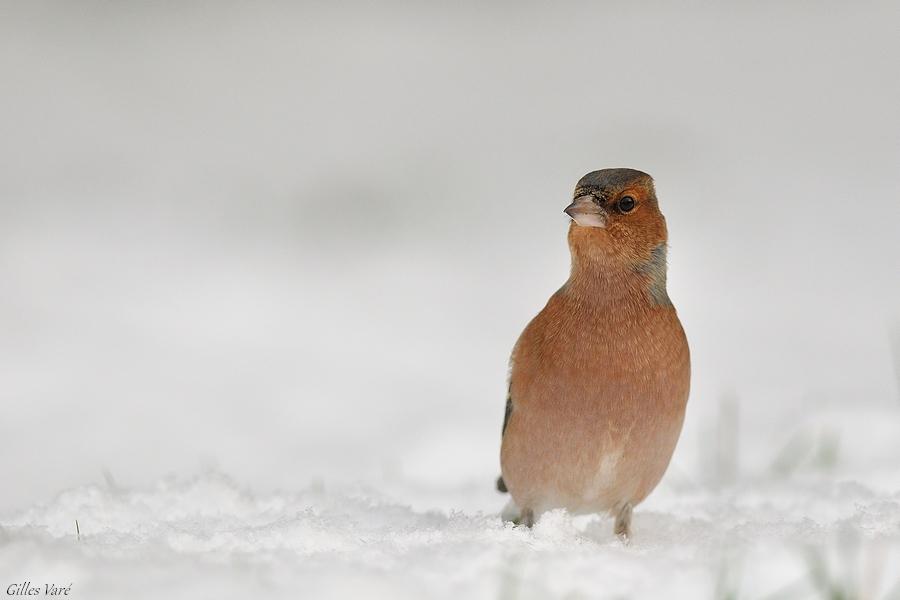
(817, 524)
(208, 537)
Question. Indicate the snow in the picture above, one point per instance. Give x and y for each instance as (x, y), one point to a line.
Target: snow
(208, 536)
(805, 533)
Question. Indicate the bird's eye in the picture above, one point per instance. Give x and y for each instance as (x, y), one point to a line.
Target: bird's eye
(626, 204)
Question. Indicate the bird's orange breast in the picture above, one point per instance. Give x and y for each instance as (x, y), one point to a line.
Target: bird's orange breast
(598, 392)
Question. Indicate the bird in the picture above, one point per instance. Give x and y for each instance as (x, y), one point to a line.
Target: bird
(599, 379)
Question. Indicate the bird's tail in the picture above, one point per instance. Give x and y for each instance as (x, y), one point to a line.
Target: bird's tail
(501, 485)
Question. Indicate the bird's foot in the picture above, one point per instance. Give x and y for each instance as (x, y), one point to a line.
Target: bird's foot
(513, 514)
(622, 527)
(526, 518)
(510, 513)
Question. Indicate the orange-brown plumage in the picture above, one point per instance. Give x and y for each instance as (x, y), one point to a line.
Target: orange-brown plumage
(600, 377)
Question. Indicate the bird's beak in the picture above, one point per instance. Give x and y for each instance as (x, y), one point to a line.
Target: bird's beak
(586, 213)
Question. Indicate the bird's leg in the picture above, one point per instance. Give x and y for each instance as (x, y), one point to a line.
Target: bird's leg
(623, 522)
(526, 518)
(515, 515)
(511, 513)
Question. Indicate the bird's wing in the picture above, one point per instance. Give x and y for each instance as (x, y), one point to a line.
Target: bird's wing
(506, 414)
(501, 485)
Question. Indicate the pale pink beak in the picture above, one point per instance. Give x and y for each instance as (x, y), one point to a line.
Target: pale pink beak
(586, 213)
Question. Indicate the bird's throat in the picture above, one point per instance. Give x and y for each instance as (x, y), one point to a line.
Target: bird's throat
(602, 278)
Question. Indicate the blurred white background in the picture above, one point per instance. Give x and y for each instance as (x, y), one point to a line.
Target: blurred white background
(296, 242)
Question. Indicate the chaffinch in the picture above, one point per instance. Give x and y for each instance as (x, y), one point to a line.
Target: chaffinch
(599, 379)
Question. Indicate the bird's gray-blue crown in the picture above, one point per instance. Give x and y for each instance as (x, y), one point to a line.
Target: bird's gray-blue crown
(612, 179)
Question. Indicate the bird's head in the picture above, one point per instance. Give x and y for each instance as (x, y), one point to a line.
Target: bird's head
(616, 219)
